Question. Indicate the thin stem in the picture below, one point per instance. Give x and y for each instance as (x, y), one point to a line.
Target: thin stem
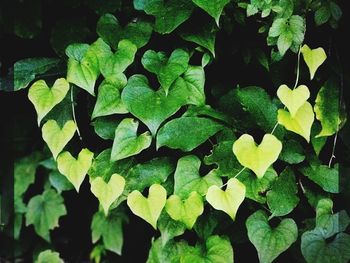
(302, 186)
(333, 150)
(298, 69)
(241, 171)
(73, 112)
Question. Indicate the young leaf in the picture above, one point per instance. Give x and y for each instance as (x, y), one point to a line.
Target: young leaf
(45, 98)
(293, 99)
(213, 7)
(126, 142)
(313, 58)
(148, 208)
(270, 242)
(49, 256)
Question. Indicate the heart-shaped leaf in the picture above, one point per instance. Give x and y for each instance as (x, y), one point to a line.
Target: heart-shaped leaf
(212, 7)
(270, 242)
(301, 123)
(75, 169)
(126, 142)
(149, 208)
(228, 200)
(186, 211)
(57, 137)
(45, 98)
(107, 193)
(257, 158)
(151, 107)
(313, 58)
(293, 99)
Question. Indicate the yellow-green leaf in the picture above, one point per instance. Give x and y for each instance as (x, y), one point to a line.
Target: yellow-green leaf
(313, 58)
(293, 99)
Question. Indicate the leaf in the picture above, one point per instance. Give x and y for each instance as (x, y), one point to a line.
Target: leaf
(44, 211)
(107, 193)
(327, 178)
(292, 152)
(167, 70)
(213, 7)
(168, 14)
(270, 242)
(105, 126)
(313, 58)
(186, 211)
(322, 15)
(148, 208)
(260, 157)
(187, 178)
(49, 256)
(228, 200)
(169, 228)
(108, 101)
(283, 198)
(126, 142)
(44, 98)
(175, 134)
(59, 181)
(293, 99)
(75, 169)
(109, 229)
(301, 123)
(57, 137)
(151, 107)
(109, 29)
(327, 109)
(26, 70)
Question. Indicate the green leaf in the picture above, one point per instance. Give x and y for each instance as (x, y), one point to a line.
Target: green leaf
(283, 198)
(151, 107)
(270, 242)
(292, 152)
(327, 109)
(322, 15)
(148, 208)
(107, 193)
(175, 134)
(285, 41)
(109, 229)
(138, 32)
(313, 58)
(228, 200)
(49, 256)
(327, 178)
(59, 181)
(108, 101)
(75, 169)
(44, 98)
(293, 99)
(126, 142)
(186, 211)
(57, 137)
(105, 126)
(169, 228)
(301, 123)
(187, 178)
(44, 211)
(260, 157)
(26, 70)
(213, 7)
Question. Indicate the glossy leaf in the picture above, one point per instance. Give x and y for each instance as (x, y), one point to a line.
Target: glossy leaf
(213, 7)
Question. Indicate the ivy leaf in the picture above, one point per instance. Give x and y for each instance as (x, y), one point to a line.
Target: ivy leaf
(26, 70)
(44, 211)
(187, 178)
(186, 211)
(105, 126)
(59, 181)
(257, 158)
(151, 107)
(327, 178)
(57, 137)
(44, 98)
(49, 256)
(175, 135)
(301, 123)
(293, 99)
(109, 192)
(283, 198)
(228, 200)
(292, 152)
(313, 58)
(109, 229)
(169, 228)
(138, 32)
(213, 7)
(126, 142)
(327, 109)
(75, 169)
(148, 208)
(108, 101)
(322, 15)
(168, 14)
(167, 70)
(270, 242)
